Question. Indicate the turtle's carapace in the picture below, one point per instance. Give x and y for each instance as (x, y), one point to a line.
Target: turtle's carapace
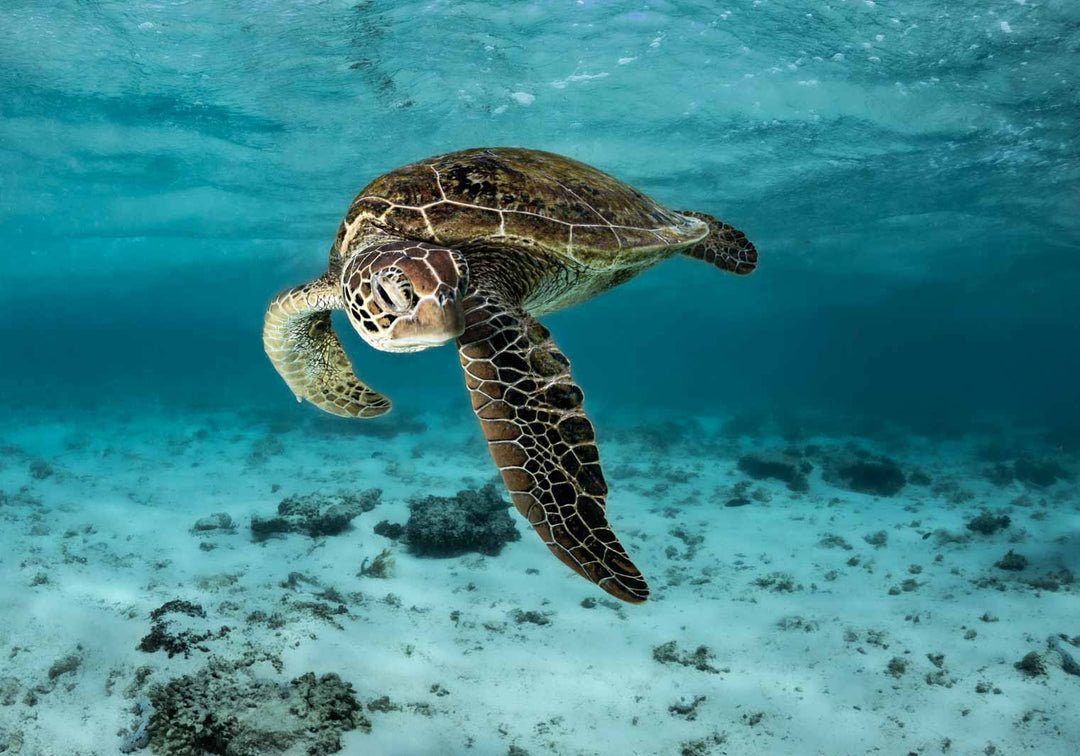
(472, 246)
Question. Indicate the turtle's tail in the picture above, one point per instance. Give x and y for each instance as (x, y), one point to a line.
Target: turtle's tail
(726, 247)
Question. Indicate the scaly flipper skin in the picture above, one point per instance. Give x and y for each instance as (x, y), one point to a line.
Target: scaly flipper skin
(726, 247)
(531, 413)
(304, 349)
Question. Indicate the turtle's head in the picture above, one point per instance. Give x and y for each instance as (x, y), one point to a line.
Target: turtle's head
(406, 296)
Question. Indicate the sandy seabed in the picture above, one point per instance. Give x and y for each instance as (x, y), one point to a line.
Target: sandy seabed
(790, 615)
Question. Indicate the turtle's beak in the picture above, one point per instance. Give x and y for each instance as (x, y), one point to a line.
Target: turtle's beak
(437, 319)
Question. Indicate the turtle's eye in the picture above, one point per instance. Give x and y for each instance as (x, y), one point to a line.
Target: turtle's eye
(392, 290)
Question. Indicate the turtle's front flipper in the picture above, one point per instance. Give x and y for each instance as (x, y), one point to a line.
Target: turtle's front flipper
(300, 341)
(530, 410)
(726, 247)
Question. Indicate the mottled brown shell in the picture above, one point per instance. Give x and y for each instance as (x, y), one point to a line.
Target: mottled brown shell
(535, 202)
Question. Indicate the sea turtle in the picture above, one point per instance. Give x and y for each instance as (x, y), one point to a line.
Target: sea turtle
(473, 246)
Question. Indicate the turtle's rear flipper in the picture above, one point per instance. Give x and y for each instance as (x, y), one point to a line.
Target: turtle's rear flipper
(530, 410)
(726, 247)
(301, 342)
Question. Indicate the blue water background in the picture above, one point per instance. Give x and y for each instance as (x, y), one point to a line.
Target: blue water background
(908, 172)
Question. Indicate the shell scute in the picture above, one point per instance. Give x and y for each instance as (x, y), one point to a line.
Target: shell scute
(406, 221)
(551, 234)
(455, 224)
(406, 186)
(536, 202)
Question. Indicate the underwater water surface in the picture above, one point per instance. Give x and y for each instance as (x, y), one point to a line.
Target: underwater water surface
(850, 477)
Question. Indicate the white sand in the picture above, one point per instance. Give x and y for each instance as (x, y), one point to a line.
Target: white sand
(587, 682)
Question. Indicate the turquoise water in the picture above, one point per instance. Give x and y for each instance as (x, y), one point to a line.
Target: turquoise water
(909, 172)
